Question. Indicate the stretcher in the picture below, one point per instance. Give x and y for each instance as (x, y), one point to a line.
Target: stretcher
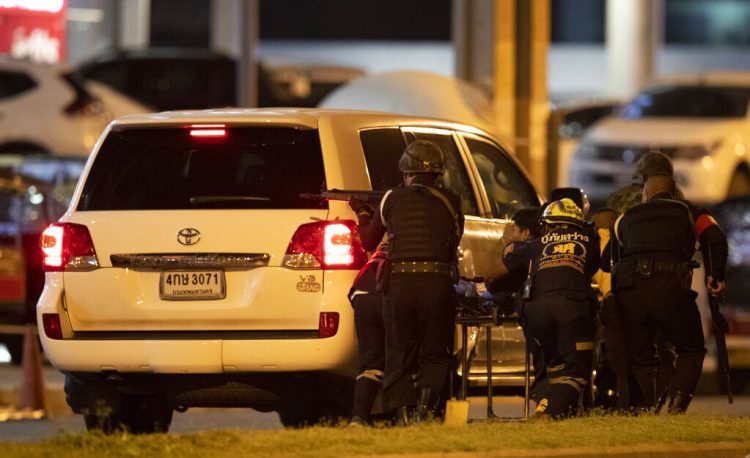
(470, 314)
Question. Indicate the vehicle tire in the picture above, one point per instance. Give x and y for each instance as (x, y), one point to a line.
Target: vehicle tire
(327, 400)
(739, 185)
(301, 413)
(137, 415)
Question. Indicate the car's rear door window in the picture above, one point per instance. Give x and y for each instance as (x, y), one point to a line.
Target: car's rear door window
(170, 169)
(455, 176)
(507, 188)
(383, 149)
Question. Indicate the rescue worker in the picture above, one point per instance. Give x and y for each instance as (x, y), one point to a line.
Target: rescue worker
(505, 283)
(368, 323)
(504, 287)
(424, 224)
(652, 281)
(558, 303)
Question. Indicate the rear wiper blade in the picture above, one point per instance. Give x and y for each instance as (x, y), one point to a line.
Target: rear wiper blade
(210, 199)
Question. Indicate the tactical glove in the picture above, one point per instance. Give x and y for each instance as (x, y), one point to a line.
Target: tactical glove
(360, 206)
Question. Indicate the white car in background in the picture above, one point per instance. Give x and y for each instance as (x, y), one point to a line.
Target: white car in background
(700, 121)
(416, 93)
(52, 109)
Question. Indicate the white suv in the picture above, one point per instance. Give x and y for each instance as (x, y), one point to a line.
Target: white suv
(701, 121)
(189, 271)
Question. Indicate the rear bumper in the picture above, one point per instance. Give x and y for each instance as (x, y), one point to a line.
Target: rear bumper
(198, 352)
(206, 356)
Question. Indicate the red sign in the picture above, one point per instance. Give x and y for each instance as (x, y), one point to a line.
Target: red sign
(33, 29)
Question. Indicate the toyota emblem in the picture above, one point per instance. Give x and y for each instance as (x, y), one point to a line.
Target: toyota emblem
(188, 236)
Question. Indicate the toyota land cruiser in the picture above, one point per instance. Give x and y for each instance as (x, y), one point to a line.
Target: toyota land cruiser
(190, 271)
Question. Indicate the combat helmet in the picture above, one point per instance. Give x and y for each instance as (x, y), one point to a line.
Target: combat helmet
(422, 156)
(653, 163)
(563, 211)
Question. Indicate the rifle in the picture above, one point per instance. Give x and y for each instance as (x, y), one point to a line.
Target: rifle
(721, 328)
(371, 197)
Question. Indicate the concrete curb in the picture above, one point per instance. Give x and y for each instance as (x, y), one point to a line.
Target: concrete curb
(676, 450)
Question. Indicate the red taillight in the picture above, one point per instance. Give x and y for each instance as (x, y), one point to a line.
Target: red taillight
(67, 246)
(328, 325)
(52, 326)
(208, 130)
(325, 245)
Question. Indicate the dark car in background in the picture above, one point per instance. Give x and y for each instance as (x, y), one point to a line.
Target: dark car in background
(34, 192)
(733, 216)
(565, 126)
(185, 78)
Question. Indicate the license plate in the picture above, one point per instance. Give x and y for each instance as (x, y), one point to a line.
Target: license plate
(190, 285)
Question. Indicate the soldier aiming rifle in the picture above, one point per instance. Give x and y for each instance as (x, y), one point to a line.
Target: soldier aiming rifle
(373, 198)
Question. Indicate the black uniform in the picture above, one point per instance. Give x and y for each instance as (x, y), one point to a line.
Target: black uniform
(514, 259)
(504, 290)
(651, 283)
(559, 313)
(419, 299)
(368, 322)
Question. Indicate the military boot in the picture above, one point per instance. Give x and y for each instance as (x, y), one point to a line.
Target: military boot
(679, 402)
(365, 391)
(426, 405)
(403, 416)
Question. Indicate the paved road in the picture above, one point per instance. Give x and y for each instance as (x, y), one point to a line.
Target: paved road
(61, 420)
(204, 419)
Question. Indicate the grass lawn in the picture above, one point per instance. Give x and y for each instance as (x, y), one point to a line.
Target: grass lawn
(593, 432)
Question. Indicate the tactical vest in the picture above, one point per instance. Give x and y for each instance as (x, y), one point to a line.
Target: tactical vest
(661, 228)
(419, 225)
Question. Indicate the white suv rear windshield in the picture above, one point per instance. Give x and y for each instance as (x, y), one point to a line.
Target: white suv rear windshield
(227, 168)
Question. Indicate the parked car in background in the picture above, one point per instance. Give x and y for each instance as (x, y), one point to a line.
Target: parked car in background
(193, 268)
(34, 192)
(287, 84)
(167, 78)
(566, 125)
(733, 216)
(48, 108)
(416, 93)
(701, 121)
(185, 78)
(12, 271)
